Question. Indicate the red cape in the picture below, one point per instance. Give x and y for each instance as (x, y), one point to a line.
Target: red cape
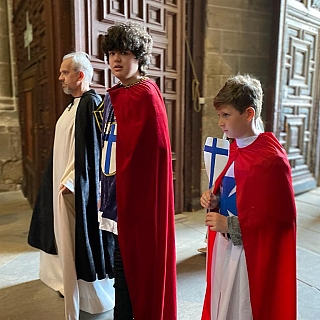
(267, 217)
(144, 191)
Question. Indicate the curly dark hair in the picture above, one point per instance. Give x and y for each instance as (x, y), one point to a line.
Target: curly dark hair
(129, 36)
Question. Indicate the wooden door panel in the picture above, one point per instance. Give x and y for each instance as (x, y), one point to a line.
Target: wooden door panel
(297, 121)
(29, 134)
(83, 24)
(38, 27)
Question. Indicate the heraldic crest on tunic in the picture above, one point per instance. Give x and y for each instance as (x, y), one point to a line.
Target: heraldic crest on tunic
(109, 137)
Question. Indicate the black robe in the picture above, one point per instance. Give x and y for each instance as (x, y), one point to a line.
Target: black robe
(92, 259)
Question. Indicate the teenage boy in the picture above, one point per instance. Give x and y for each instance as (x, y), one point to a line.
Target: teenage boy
(137, 206)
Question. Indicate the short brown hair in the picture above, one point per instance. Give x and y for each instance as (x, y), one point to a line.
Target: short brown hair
(241, 91)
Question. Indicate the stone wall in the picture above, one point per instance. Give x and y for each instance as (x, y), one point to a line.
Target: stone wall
(10, 141)
(237, 41)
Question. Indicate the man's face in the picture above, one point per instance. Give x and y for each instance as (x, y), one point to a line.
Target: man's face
(68, 77)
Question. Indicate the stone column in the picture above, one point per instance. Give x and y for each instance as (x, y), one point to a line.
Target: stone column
(237, 40)
(10, 139)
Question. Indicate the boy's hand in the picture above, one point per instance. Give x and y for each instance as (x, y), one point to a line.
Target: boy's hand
(209, 200)
(65, 190)
(217, 222)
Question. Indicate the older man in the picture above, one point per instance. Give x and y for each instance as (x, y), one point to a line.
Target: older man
(64, 223)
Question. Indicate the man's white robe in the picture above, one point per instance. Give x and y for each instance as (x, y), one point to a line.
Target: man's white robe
(58, 271)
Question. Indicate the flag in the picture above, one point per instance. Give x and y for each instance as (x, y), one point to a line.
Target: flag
(216, 154)
(108, 153)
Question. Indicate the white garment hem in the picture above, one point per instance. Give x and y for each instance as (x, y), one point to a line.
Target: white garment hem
(107, 224)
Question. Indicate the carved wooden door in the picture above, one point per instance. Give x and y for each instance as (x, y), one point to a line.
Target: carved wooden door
(28, 127)
(164, 20)
(297, 107)
(37, 79)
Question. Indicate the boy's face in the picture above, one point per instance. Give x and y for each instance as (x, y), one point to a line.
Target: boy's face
(234, 124)
(124, 66)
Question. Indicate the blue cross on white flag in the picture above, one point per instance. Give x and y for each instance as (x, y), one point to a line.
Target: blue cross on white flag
(108, 155)
(228, 205)
(216, 154)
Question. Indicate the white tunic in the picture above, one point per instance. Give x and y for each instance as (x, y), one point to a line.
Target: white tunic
(58, 271)
(230, 297)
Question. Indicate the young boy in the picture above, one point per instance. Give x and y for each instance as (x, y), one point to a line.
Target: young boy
(251, 266)
(137, 184)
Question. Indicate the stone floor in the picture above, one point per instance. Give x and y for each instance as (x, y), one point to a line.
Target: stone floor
(23, 296)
